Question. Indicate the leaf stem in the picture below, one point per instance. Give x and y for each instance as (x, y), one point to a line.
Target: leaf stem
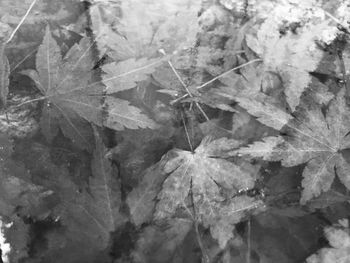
(187, 90)
(21, 22)
(335, 20)
(248, 259)
(217, 77)
(186, 131)
(30, 101)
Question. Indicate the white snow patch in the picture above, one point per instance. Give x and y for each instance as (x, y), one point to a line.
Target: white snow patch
(5, 247)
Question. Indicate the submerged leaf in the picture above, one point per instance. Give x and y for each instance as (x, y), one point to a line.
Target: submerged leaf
(74, 100)
(105, 188)
(88, 216)
(293, 52)
(214, 183)
(142, 199)
(126, 74)
(121, 114)
(316, 140)
(66, 84)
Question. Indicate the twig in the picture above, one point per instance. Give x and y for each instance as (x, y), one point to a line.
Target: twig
(205, 256)
(217, 77)
(249, 241)
(21, 22)
(30, 101)
(186, 131)
(335, 19)
(187, 90)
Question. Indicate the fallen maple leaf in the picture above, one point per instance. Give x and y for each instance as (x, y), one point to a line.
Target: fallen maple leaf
(214, 183)
(158, 245)
(339, 240)
(66, 85)
(142, 28)
(88, 216)
(246, 90)
(292, 54)
(121, 114)
(129, 72)
(73, 98)
(312, 138)
(18, 195)
(142, 199)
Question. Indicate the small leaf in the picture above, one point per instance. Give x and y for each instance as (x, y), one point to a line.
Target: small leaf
(158, 245)
(66, 84)
(265, 112)
(120, 115)
(126, 74)
(142, 199)
(315, 139)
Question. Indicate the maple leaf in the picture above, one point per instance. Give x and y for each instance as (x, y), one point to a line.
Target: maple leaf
(66, 85)
(158, 245)
(129, 72)
(315, 139)
(108, 41)
(294, 53)
(121, 114)
(16, 189)
(141, 28)
(338, 237)
(88, 216)
(19, 197)
(207, 176)
(246, 90)
(73, 99)
(142, 199)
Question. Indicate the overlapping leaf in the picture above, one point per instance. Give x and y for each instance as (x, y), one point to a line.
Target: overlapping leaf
(292, 53)
(129, 72)
(208, 176)
(142, 199)
(89, 216)
(313, 138)
(246, 89)
(142, 28)
(16, 190)
(74, 99)
(18, 197)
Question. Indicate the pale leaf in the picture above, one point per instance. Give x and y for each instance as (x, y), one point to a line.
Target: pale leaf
(315, 139)
(208, 177)
(126, 74)
(120, 115)
(292, 55)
